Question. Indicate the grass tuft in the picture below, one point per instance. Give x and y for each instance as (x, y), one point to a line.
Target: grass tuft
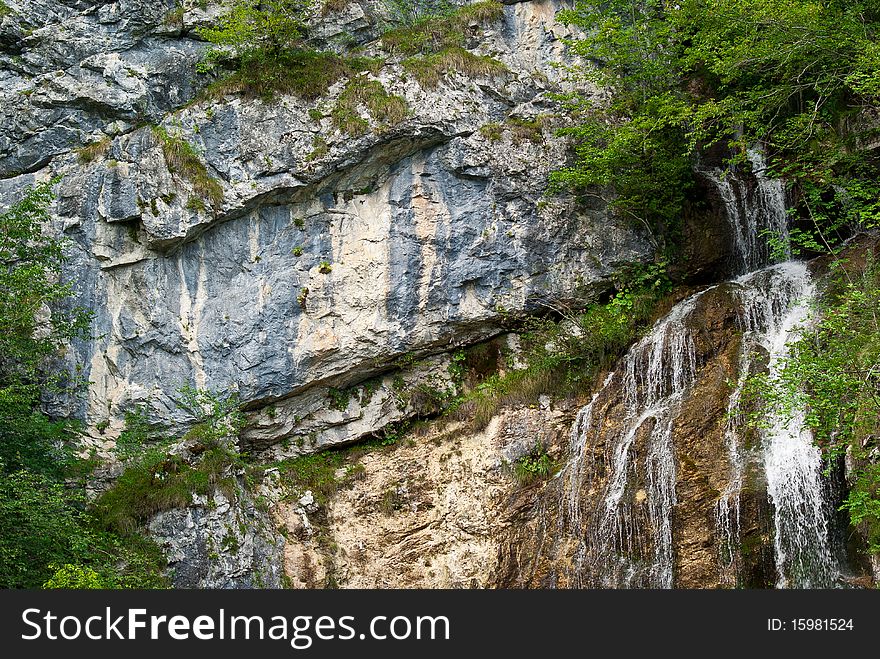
(161, 482)
(429, 70)
(181, 158)
(95, 150)
(387, 109)
(308, 74)
(434, 34)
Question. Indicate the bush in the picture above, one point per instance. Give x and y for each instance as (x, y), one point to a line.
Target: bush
(256, 32)
(43, 526)
(159, 482)
(534, 467)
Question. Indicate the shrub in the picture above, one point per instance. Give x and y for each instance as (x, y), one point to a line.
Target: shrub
(256, 32)
(534, 467)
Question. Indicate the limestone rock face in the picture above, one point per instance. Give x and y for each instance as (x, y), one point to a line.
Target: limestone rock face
(220, 541)
(431, 514)
(327, 257)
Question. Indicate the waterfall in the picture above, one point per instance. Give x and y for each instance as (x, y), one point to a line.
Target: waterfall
(774, 304)
(656, 374)
(628, 540)
(793, 467)
(755, 210)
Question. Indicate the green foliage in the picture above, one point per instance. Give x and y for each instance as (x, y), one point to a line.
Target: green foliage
(538, 465)
(32, 336)
(4, 9)
(256, 32)
(429, 70)
(434, 40)
(431, 31)
(494, 132)
(137, 436)
(307, 73)
(174, 17)
(75, 577)
(863, 505)
(320, 148)
(796, 76)
(156, 479)
(323, 473)
(43, 525)
(386, 109)
(159, 481)
(263, 43)
(339, 398)
(563, 358)
(181, 158)
(325, 268)
(832, 373)
(196, 204)
(43, 520)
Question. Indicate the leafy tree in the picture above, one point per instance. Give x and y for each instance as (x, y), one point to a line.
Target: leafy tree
(43, 525)
(796, 76)
(257, 31)
(47, 536)
(36, 323)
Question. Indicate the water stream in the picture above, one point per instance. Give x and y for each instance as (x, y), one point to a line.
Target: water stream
(628, 541)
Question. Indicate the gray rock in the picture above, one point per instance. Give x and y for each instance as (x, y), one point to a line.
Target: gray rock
(415, 239)
(220, 543)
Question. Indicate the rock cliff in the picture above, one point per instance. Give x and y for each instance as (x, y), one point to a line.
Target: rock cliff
(327, 257)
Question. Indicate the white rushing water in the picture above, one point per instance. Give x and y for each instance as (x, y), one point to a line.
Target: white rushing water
(793, 467)
(756, 212)
(623, 552)
(775, 305)
(631, 542)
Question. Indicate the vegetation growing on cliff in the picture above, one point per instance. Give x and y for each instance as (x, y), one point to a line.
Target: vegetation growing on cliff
(798, 77)
(564, 356)
(157, 478)
(435, 41)
(263, 44)
(181, 158)
(45, 527)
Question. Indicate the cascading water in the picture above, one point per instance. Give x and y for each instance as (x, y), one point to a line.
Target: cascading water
(774, 305)
(628, 541)
(657, 373)
(756, 213)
